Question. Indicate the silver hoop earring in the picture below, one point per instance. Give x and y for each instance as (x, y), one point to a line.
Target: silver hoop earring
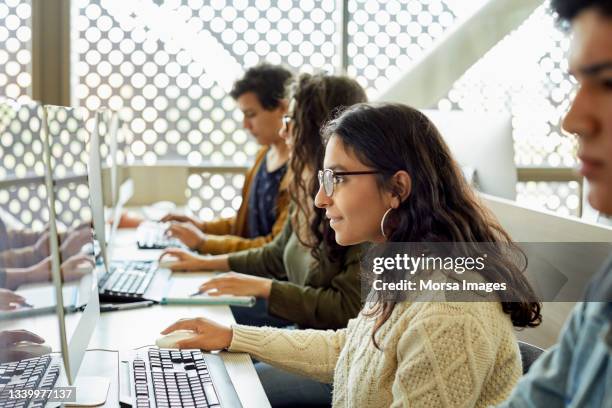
(382, 222)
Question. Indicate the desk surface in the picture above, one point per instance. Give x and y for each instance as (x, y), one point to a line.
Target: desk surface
(129, 329)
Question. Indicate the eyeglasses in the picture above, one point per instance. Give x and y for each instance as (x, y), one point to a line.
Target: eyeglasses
(328, 178)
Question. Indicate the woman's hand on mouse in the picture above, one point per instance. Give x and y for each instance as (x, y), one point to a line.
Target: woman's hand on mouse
(208, 335)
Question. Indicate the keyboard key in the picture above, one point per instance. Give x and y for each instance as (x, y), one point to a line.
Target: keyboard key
(211, 394)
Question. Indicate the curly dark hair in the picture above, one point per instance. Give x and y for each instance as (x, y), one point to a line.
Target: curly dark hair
(441, 207)
(317, 99)
(567, 10)
(268, 82)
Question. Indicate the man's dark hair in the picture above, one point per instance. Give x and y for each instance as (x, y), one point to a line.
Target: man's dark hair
(268, 82)
(567, 10)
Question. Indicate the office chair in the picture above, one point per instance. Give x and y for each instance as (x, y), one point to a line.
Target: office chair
(529, 354)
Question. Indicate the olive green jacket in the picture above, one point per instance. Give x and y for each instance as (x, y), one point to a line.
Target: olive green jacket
(312, 295)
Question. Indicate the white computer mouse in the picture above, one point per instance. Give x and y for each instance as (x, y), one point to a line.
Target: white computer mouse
(33, 349)
(170, 340)
(167, 262)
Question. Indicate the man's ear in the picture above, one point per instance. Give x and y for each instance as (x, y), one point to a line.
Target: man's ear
(402, 186)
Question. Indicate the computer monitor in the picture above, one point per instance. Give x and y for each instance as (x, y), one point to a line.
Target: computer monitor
(24, 210)
(481, 143)
(124, 192)
(90, 390)
(94, 173)
(113, 133)
(579, 249)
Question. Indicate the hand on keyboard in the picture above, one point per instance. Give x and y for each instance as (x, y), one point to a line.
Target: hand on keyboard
(154, 236)
(237, 284)
(9, 338)
(187, 233)
(186, 261)
(183, 218)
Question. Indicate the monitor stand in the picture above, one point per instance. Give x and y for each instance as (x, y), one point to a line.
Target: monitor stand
(91, 391)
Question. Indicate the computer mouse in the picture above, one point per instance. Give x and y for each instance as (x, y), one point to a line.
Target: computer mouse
(167, 263)
(32, 349)
(170, 340)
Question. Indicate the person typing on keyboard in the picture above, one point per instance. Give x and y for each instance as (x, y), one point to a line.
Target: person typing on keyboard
(389, 177)
(302, 277)
(261, 96)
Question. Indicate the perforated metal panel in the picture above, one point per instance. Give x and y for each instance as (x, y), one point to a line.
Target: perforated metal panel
(21, 157)
(526, 74)
(15, 48)
(386, 36)
(170, 84)
(214, 195)
(561, 197)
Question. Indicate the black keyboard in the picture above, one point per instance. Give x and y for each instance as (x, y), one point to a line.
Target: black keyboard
(154, 237)
(39, 373)
(165, 378)
(127, 279)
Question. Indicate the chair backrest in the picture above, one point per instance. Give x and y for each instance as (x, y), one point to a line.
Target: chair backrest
(529, 354)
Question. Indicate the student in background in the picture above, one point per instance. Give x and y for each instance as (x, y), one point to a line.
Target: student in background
(260, 95)
(404, 187)
(302, 277)
(577, 371)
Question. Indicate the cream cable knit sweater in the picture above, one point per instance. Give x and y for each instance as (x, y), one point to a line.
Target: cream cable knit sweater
(434, 355)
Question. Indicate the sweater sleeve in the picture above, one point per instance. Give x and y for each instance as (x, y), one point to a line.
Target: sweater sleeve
(221, 226)
(223, 244)
(443, 361)
(266, 261)
(324, 307)
(312, 353)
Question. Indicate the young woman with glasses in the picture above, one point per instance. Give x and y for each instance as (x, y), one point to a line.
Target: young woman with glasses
(389, 177)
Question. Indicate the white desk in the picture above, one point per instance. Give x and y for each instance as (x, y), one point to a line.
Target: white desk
(129, 329)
